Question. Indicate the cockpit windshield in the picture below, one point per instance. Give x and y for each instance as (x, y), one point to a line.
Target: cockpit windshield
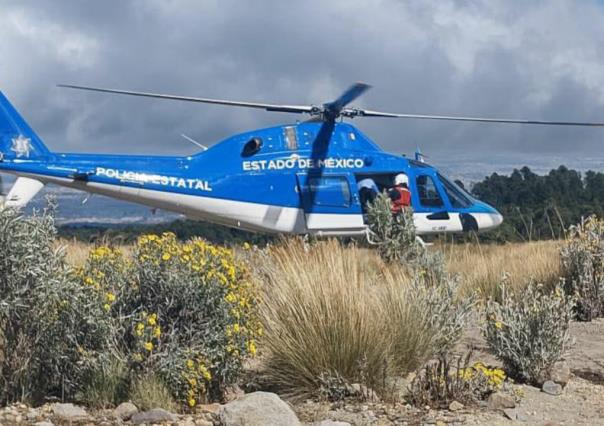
(459, 198)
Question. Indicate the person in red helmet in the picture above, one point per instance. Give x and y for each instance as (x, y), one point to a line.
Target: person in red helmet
(399, 194)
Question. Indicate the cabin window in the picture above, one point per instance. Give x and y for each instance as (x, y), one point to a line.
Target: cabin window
(251, 147)
(427, 192)
(329, 191)
(456, 196)
(291, 138)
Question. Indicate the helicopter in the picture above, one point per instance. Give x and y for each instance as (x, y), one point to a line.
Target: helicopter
(300, 178)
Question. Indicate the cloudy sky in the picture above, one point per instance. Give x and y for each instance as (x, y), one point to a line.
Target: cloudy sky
(508, 58)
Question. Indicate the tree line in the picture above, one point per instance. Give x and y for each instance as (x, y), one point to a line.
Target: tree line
(539, 207)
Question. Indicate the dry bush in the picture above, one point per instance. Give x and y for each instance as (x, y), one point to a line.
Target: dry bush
(448, 379)
(53, 329)
(328, 314)
(583, 265)
(482, 267)
(529, 331)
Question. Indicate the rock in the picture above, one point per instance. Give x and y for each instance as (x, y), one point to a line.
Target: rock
(330, 423)
(560, 373)
(157, 415)
(188, 421)
(32, 414)
(45, 423)
(510, 413)
(209, 408)
(551, 388)
(455, 406)
(68, 412)
(500, 400)
(203, 422)
(125, 410)
(258, 409)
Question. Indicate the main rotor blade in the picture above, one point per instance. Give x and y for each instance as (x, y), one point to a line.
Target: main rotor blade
(347, 97)
(268, 107)
(368, 113)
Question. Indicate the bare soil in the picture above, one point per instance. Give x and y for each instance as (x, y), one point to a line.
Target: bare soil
(581, 401)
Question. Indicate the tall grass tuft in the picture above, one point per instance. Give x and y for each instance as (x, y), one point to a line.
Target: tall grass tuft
(151, 392)
(320, 316)
(107, 384)
(327, 313)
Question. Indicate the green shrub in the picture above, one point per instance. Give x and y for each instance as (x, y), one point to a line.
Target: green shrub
(529, 332)
(185, 312)
(583, 267)
(53, 329)
(393, 234)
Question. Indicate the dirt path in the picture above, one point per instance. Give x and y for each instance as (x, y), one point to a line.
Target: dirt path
(582, 400)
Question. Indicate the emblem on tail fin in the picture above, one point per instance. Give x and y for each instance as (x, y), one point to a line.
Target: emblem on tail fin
(21, 146)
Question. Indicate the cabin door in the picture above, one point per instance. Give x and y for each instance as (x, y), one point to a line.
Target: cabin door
(330, 201)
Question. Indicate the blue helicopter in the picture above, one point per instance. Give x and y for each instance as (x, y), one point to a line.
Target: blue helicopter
(301, 178)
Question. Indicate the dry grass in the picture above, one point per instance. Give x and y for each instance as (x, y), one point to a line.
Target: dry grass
(482, 267)
(150, 392)
(331, 311)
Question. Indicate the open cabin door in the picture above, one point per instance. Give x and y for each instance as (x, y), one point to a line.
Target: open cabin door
(330, 201)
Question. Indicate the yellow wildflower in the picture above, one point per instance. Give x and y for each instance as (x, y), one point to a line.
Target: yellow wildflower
(251, 347)
(190, 364)
(110, 297)
(138, 357)
(106, 307)
(166, 256)
(148, 346)
(192, 402)
(140, 328)
(498, 325)
(157, 332)
(152, 320)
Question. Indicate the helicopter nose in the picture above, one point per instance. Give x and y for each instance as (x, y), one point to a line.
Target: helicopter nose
(490, 220)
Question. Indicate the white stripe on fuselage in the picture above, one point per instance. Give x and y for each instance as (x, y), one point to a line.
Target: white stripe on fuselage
(258, 217)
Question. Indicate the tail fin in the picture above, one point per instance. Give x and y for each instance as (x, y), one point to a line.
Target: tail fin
(17, 139)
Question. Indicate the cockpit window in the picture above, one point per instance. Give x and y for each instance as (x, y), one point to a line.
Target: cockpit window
(457, 196)
(428, 194)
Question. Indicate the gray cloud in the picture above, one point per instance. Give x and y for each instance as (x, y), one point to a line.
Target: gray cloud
(540, 59)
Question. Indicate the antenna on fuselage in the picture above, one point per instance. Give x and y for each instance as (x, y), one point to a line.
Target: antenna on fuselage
(194, 142)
